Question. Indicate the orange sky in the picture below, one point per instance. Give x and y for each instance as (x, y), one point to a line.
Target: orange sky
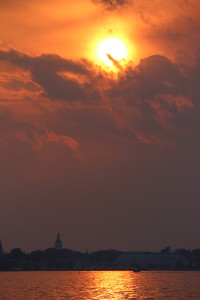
(71, 29)
(76, 138)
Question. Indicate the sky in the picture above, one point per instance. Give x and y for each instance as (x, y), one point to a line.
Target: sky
(107, 156)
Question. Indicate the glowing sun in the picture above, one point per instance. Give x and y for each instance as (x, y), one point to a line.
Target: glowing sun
(110, 50)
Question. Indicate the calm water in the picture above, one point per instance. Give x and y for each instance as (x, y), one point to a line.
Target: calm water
(118, 285)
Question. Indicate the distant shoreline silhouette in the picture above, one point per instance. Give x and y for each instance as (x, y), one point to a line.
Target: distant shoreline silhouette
(52, 259)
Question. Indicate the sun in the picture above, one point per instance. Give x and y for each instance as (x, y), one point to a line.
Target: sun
(110, 50)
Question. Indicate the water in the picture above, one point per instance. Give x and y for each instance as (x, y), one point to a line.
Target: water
(98, 285)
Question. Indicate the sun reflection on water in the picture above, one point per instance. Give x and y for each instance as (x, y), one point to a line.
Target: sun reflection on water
(111, 285)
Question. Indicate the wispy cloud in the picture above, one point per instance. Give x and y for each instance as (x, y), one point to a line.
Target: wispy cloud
(112, 4)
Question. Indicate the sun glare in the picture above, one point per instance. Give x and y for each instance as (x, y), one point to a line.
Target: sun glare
(110, 50)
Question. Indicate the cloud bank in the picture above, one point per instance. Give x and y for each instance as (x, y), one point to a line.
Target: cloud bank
(153, 102)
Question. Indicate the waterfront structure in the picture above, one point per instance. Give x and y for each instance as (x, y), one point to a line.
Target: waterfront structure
(149, 261)
(58, 242)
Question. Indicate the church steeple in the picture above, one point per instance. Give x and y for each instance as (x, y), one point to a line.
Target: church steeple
(58, 242)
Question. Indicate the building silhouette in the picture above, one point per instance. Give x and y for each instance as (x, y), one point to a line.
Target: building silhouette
(149, 261)
(58, 242)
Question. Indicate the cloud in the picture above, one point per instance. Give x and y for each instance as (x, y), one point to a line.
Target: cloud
(150, 96)
(44, 70)
(17, 85)
(146, 104)
(112, 4)
(53, 61)
(36, 135)
(171, 28)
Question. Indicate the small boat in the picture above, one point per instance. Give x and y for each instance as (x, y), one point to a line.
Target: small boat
(136, 270)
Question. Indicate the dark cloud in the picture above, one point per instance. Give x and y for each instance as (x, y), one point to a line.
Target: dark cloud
(153, 96)
(149, 103)
(17, 85)
(112, 4)
(53, 61)
(44, 70)
(55, 86)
